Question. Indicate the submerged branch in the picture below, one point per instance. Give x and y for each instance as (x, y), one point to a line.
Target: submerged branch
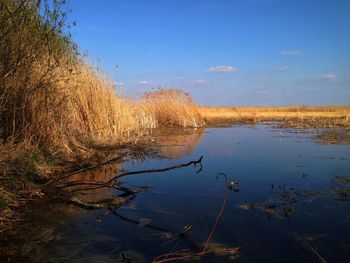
(199, 161)
(85, 169)
(184, 255)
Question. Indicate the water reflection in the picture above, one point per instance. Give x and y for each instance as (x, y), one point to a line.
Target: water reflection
(103, 174)
(292, 204)
(179, 143)
(172, 144)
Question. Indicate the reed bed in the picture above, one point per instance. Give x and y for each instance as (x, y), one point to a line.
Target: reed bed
(172, 107)
(58, 112)
(56, 108)
(293, 116)
(81, 113)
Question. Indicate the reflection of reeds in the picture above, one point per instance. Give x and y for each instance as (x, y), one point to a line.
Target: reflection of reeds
(101, 175)
(171, 145)
(176, 144)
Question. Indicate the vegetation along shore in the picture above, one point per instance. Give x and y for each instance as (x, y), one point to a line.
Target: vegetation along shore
(60, 114)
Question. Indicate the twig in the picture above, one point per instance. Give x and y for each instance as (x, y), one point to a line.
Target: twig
(186, 254)
(179, 255)
(319, 257)
(83, 182)
(199, 161)
(199, 215)
(163, 230)
(218, 216)
(113, 186)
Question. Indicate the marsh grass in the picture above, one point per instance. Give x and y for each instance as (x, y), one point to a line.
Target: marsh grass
(172, 107)
(289, 116)
(57, 111)
(57, 103)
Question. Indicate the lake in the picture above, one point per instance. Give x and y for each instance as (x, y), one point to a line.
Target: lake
(289, 202)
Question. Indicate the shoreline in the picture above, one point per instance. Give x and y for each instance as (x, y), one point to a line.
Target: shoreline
(35, 191)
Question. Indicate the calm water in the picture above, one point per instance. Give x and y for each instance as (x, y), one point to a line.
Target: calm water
(291, 205)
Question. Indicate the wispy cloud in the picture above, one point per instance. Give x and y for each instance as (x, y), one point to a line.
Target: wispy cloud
(192, 81)
(222, 69)
(197, 81)
(286, 68)
(144, 82)
(119, 84)
(331, 77)
(291, 53)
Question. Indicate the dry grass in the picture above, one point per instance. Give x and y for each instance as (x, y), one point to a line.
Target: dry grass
(73, 117)
(294, 116)
(68, 117)
(172, 107)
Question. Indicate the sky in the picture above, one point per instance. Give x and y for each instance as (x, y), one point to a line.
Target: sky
(238, 52)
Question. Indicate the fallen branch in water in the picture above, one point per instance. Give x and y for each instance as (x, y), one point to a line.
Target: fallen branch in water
(199, 161)
(85, 169)
(100, 184)
(153, 227)
(116, 202)
(109, 183)
(168, 234)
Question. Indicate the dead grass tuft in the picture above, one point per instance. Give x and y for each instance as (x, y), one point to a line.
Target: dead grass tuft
(172, 107)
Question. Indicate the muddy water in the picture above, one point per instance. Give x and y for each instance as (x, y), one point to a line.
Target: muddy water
(291, 203)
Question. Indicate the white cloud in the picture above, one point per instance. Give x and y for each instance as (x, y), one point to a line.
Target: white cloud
(286, 68)
(222, 69)
(192, 81)
(330, 76)
(118, 84)
(144, 82)
(198, 81)
(291, 53)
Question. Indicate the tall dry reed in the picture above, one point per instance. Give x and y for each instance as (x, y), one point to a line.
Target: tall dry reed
(300, 116)
(172, 107)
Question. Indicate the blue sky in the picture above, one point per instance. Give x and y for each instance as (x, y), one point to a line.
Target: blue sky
(239, 52)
